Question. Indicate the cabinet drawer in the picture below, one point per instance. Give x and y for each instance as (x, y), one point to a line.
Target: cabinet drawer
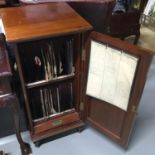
(56, 122)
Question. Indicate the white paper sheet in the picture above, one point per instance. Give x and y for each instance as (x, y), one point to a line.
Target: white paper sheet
(110, 76)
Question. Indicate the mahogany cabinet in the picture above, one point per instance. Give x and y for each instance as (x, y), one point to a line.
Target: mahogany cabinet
(71, 75)
(47, 40)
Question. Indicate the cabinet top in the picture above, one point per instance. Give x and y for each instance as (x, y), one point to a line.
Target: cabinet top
(41, 21)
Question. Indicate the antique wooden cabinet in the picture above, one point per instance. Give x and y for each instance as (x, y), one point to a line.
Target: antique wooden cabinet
(70, 75)
(47, 41)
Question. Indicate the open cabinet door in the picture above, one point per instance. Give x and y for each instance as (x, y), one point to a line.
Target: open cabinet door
(116, 74)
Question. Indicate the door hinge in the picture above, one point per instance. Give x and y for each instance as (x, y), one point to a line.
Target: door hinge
(83, 54)
(134, 109)
(73, 69)
(82, 106)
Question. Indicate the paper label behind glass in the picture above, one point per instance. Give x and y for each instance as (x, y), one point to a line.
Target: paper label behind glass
(110, 76)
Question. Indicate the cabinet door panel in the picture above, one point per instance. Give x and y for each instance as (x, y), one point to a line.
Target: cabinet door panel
(115, 81)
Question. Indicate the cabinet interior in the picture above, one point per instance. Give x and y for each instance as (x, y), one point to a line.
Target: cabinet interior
(50, 69)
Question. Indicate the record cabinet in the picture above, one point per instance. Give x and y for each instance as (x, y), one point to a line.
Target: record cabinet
(47, 41)
(70, 76)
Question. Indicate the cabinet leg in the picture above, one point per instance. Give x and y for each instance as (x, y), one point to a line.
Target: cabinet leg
(13, 106)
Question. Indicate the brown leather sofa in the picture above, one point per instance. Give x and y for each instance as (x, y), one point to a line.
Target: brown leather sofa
(96, 12)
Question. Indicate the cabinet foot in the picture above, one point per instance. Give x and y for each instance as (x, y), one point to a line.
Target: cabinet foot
(37, 144)
(80, 129)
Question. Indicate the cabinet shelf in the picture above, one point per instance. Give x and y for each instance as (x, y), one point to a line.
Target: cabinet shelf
(47, 82)
(53, 116)
(55, 122)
